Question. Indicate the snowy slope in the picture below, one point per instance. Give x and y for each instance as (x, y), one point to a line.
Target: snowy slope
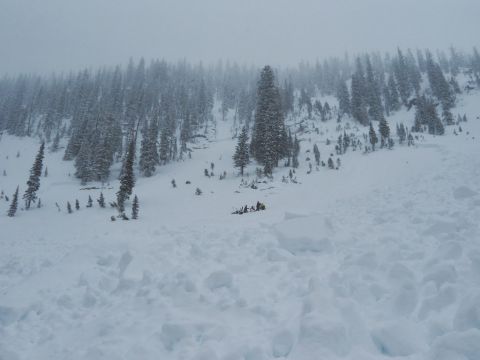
(379, 259)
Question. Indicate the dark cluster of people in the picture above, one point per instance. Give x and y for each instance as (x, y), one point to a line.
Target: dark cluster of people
(245, 209)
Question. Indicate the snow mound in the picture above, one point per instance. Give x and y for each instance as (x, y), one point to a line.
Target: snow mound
(282, 344)
(304, 234)
(399, 339)
(219, 279)
(463, 192)
(468, 314)
(457, 346)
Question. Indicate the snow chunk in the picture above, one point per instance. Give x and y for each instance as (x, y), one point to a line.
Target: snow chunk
(7, 315)
(463, 192)
(219, 279)
(304, 234)
(282, 344)
(399, 339)
(124, 261)
(318, 334)
(461, 346)
(441, 274)
(172, 334)
(468, 314)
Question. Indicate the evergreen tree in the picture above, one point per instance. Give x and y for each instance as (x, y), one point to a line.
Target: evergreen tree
(439, 85)
(343, 96)
(269, 138)
(447, 117)
(90, 202)
(400, 68)
(77, 204)
(394, 97)
(375, 109)
(426, 114)
(384, 131)
(33, 182)
(241, 157)
(127, 180)
(56, 142)
(148, 152)
(359, 105)
(13, 205)
(373, 136)
(101, 200)
(164, 147)
(295, 153)
(401, 133)
(331, 164)
(135, 206)
(316, 152)
(69, 207)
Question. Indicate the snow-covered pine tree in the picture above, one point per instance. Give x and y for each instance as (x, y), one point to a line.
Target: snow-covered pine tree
(439, 85)
(55, 143)
(394, 100)
(384, 131)
(295, 153)
(135, 207)
(127, 180)
(241, 158)
(14, 204)
(269, 138)
(401, 133)
(358, 104)
(316, 152)
(101, 200)
(33, 183)
(148, 150)
(447, 117)
(331, 164)
(375, 109)
(400, 68)
(164, 151)
(344, 105)
(372, 136)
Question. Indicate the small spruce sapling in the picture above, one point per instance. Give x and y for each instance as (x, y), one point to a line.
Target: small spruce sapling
(69, 207)
(89, 202)
(373, 136)
(135, 206)
(331, 165)
(77, 204)
(101, 200)
(13, 206)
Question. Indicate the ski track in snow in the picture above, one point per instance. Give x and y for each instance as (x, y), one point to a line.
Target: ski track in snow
(378, 260)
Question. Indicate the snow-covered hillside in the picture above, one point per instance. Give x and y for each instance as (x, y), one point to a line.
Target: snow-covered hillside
(379, 259)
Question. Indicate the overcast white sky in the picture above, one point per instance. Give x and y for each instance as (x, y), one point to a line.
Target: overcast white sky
(55, 35)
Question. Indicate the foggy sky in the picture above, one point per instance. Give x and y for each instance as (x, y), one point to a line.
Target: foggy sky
(58, 35)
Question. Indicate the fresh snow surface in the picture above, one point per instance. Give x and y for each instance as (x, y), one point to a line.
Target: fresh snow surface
(378, 260)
